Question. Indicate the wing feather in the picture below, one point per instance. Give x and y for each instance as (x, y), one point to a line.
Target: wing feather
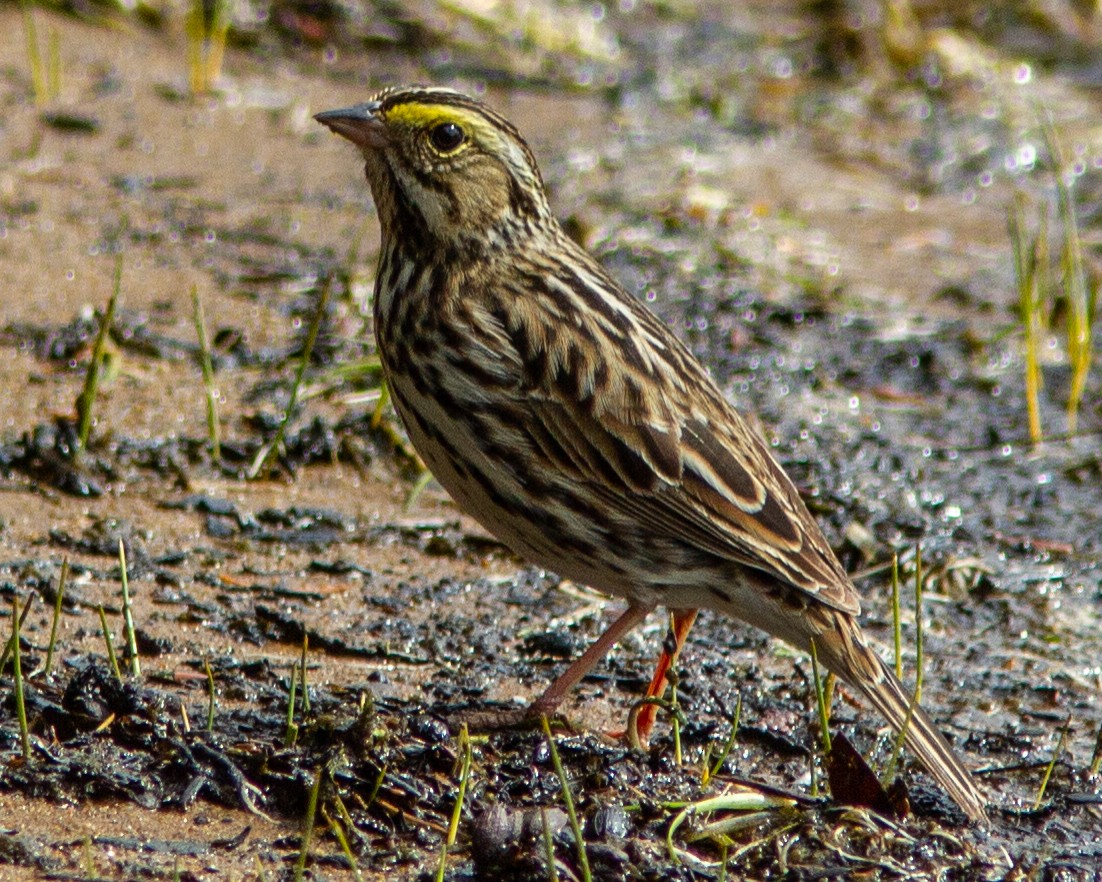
(627, 410)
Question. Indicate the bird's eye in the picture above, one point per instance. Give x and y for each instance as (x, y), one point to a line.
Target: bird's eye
(446, 137)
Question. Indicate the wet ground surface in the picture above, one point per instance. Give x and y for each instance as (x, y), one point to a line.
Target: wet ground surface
(822, 219)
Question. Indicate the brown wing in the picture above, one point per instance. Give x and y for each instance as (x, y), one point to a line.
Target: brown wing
(622, 405)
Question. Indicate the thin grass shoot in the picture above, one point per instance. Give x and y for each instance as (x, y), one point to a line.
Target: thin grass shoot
(916, 697)
(210, 694)
(750, 806)
(465, 754)
(53, 65)
(206, 27)
(17, 673)
(302, 675)
(1056, 754)
(107, 639)
(207, 368)
(1079, 297)
(731, 738)
(59, 597)
(9, 644)
(290, 734)
(128, 616)
(548, 847)
(820, 701)
(87, 397)
(308, 826)
(568, 800)
(307, 350)
(337, 829)
(1031, 259)
(897, 618)
(1096, 755)
(380, 406)
(34, 56)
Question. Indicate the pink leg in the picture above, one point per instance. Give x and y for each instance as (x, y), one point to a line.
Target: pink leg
(558, 690)
(682, 622)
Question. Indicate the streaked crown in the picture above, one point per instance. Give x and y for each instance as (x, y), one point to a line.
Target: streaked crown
(445, 165)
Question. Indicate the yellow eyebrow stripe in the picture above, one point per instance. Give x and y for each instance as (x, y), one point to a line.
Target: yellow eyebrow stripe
(425, 115)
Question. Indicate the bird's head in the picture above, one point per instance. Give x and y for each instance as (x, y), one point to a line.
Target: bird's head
(443, 167)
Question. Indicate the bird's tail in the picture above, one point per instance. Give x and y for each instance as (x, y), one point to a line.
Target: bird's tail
(845, 652)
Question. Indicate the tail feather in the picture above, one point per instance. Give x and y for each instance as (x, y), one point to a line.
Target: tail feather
(845, 652)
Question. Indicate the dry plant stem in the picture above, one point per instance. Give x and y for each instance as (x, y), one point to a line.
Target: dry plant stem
(17, 672)
(568, 800)
(213, 433)
(62, 580)
(128, 616)
(308, 826)
(91, 380)
(307, 350)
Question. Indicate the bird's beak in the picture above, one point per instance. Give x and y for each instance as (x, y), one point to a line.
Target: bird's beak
(360, 124)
